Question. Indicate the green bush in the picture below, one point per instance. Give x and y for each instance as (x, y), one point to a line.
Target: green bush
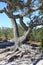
(41, 45)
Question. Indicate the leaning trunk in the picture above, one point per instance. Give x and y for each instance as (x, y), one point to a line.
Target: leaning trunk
(15, 32)
(23, 38)
(18, 39)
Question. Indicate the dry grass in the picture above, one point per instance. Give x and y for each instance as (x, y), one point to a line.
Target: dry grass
(34, 42)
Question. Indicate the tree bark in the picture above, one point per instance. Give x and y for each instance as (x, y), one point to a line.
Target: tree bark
(18, 40)
(23, 38)
(23, 24)
(15, 32)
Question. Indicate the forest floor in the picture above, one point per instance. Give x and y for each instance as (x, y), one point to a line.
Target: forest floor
(28, 54)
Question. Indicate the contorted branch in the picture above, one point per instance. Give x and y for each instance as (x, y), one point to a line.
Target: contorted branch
(12, 2)
(20, 15)
(6, 1)
(3, 1)
(23, 24)
(8, 13)
(28, 3)
(3, 10)
(30, 9)
(33, 24)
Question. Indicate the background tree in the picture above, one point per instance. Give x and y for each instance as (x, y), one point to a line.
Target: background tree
(26, 8)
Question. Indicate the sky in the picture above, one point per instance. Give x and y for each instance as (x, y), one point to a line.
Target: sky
(5, 21)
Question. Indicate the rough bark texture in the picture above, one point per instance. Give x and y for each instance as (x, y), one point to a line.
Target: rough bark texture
(23, 24)
(15, 32)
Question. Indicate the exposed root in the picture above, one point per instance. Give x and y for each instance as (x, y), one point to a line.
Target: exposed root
(24, 52)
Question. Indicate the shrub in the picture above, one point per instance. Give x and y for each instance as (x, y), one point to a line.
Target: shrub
(41, 45)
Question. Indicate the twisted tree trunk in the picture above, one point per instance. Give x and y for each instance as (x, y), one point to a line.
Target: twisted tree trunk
(15, 32)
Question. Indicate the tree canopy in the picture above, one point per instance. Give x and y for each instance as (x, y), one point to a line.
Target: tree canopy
(20, 5)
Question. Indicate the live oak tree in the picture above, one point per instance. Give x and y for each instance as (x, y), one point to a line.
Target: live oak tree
(25, 8)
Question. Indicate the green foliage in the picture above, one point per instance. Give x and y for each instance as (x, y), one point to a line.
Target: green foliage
(35, 35)
(0, 32)
(41, 45)
(6, 33)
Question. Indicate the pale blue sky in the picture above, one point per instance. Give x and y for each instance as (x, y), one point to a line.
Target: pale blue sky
(4, 20)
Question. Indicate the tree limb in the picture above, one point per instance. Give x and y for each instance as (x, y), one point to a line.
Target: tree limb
(3, 10)
(40, 22)
(33, 24)
(29, 10)
(6, 1)
(23, 24)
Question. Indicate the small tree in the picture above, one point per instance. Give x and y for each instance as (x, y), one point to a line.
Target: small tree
(25, 8)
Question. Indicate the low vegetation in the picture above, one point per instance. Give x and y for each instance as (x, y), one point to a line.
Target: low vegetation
(35, 35)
